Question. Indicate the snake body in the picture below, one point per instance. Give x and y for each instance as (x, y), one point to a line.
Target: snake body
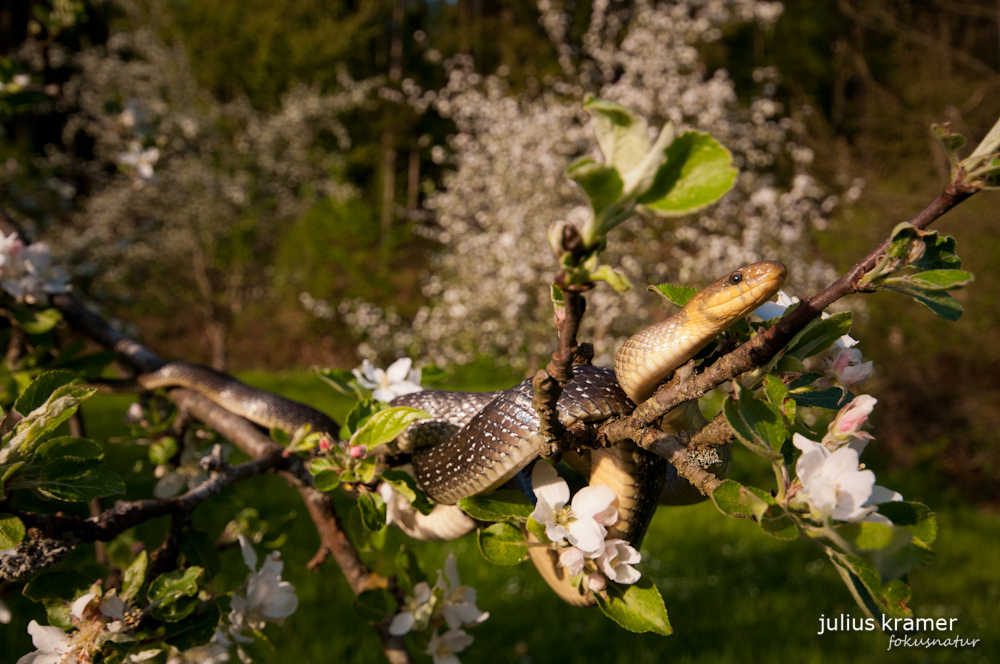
(499, 430)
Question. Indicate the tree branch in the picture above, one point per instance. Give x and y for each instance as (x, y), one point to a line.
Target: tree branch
(687, 385)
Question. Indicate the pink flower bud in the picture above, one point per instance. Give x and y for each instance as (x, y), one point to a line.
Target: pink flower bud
(846, 366)
(325, 444)
(854, 415)
(357, 452)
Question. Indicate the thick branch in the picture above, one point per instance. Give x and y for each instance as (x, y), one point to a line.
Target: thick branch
(114, 521)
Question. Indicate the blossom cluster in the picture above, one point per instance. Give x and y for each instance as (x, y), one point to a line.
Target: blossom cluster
(832, 482)
(448, 602)
(27, 272)
(578, 531)
(96, 619)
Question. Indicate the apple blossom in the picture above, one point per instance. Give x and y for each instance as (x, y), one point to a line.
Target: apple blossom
(617, 560)
(572, 560)
(53, 645)
(141, 161)
(846, 366)
(27, 273)
(583, 523)
(458, 602)
(386, 385)
(417, 611)
(442, 647)
(833, 484)
(5, 614)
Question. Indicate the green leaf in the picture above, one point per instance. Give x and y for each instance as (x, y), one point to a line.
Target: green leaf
(37, 322)
(865, 583)
(63, 586)
(402, 482)
(12, 531)
(679, 295)
(951, 142)
(744, 434)
(697, 172)
(40, 389)
(833, 398)
(326, 480)
(936, 280)
(819, 335)
(537, 529)
(408, 570)
(178, 583)
(385, 425)
(600, 182)
(637, 608)
(174, 609)
(341, 380)
(359, 415)
(163, 450)
(57, 409)
(67, 446)
(372, 511)
(868, 534)
(135, 576)
(497, 506)
(939, 252)
(621, 134)
(780, 526)
(776, 391)
(763, 419)
(375, 606)
(937, 302)
(502, 544)
(79, 480)
(732, 499)
(195, 630)
(614, 278)
(915, 517)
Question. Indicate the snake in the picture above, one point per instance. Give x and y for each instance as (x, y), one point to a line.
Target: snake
(494, 436)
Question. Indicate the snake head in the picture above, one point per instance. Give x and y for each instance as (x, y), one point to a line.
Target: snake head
(740, 292)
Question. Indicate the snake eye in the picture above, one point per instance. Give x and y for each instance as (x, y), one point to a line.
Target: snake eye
(734, 278)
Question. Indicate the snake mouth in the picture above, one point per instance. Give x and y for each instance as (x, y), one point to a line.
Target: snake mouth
(741, 291)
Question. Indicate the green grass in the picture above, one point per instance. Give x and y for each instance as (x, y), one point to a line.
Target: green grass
(733, 594)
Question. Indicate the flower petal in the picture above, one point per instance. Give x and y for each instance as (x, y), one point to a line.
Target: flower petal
(592, 500)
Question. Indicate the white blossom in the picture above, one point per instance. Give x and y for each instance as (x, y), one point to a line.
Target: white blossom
(53, 645)
(442, 647)
(833, 484)
(583, 523)
(139, 160)
(573, 560)
(617, 559)
(416, 611)
(266, 598)
(458, 602)
(399, 379)
(5, 614)
(27, 273)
